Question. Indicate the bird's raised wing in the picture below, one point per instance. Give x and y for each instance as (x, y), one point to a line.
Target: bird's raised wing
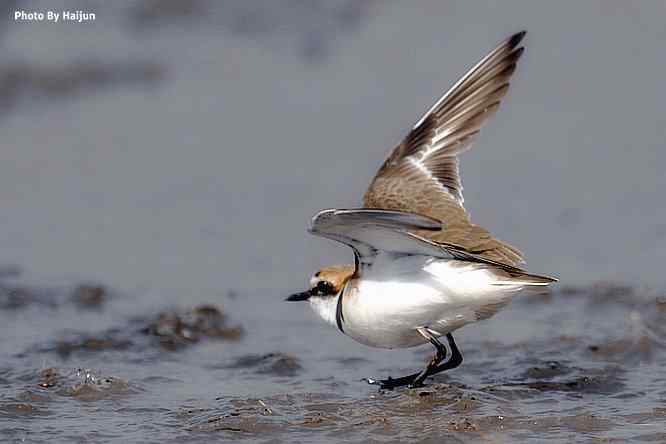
(421, 174)
(370, 232)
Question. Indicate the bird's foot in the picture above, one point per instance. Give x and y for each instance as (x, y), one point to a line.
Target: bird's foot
(416, 384)
(392, 383)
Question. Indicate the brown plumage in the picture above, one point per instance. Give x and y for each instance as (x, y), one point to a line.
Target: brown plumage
(422, 268)
(337, 275)
(421, 174)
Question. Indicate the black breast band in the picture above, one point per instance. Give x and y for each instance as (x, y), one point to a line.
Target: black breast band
(339, 318)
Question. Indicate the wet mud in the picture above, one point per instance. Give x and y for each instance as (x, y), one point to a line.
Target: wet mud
(277, 364)
(174, 330)
(597, 379)
(25, 84)
(17, 296)
(168, 331)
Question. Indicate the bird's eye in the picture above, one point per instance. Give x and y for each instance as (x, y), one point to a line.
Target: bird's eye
(324, 288)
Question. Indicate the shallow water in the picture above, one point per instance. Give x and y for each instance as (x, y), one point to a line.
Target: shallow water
(581, 362)
(159, 168)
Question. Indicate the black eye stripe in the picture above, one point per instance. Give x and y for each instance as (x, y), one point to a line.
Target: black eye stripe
(324, 288)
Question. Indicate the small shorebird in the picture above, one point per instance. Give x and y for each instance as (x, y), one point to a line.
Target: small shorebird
(422, 268)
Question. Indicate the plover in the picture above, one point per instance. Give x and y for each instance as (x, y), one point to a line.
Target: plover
(422, 268)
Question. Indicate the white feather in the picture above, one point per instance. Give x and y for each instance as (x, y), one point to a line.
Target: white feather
(399, 295)
(325, 307)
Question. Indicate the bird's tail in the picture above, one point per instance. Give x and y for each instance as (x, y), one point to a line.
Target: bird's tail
(522, 278)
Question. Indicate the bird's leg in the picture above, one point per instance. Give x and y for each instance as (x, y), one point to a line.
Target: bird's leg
(454, 361)
(416, 379)
(434, 362)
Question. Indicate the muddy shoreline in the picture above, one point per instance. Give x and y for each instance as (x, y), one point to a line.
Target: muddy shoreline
(581, 382)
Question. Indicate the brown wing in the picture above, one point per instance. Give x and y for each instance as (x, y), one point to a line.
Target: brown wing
(421, 174)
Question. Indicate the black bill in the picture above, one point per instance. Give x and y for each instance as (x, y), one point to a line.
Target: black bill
(304, 296)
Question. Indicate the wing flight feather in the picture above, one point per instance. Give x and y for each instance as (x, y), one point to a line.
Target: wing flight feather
(421, 175)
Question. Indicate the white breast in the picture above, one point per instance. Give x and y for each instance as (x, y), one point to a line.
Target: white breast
(384, 308)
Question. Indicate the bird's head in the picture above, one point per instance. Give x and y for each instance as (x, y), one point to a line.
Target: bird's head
(325, 283)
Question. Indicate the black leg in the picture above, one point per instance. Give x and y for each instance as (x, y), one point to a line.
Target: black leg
(433, 367)
(454, 361)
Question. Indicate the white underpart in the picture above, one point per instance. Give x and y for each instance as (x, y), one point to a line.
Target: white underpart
(397, 296)
(325, 307)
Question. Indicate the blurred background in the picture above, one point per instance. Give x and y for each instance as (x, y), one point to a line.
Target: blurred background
(171, 153)
(187, 144)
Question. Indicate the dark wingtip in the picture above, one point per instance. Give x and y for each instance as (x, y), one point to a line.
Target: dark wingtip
(517, 53)
(515, 39)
